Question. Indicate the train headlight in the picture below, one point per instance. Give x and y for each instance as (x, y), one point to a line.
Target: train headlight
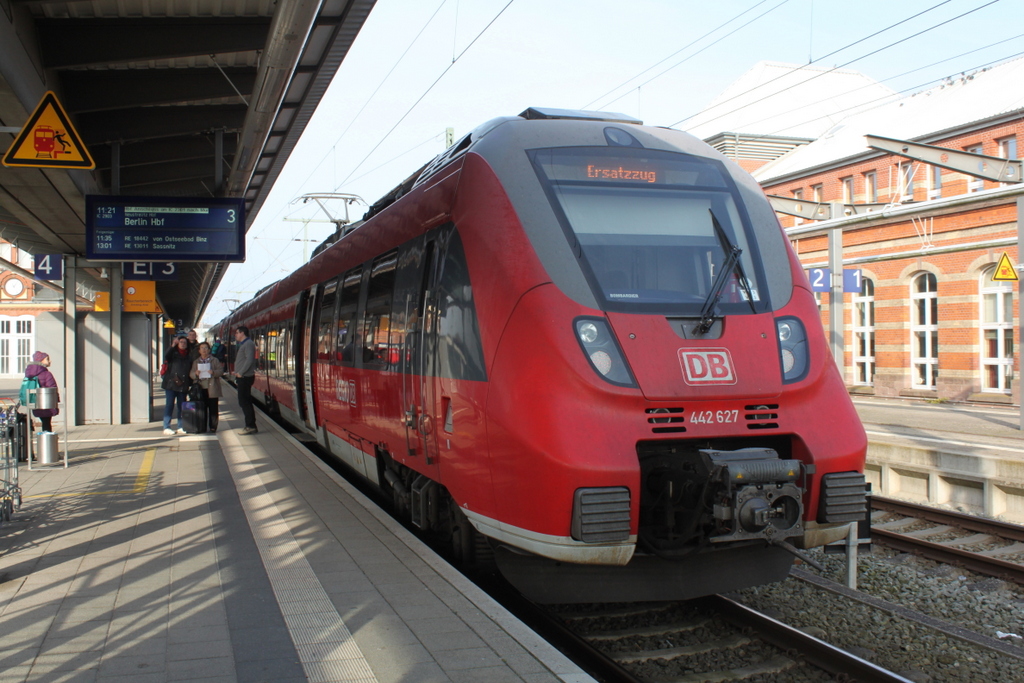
(603, 352)
(588, 332)
(794, 354)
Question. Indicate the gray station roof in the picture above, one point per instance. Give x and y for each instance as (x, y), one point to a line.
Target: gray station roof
(151, 82)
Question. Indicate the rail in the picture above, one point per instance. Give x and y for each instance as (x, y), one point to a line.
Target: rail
(983, 562)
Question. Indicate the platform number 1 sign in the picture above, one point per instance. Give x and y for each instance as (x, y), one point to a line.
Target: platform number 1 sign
(821, 279)
(49, 266)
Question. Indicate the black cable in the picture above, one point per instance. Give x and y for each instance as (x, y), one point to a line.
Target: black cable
(425, 92)
(828, 71)
(912, 88)
(688, 45)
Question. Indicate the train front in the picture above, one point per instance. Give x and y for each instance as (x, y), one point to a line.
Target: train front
(664, 417)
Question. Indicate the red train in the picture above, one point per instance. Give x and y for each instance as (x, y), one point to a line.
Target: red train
(581, 345)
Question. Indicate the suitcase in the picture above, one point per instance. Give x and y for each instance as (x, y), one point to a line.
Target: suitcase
(193, 417)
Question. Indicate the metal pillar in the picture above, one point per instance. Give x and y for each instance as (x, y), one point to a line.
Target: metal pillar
(70, 340)
(835, 298)
(117, 416)
(1020, 306)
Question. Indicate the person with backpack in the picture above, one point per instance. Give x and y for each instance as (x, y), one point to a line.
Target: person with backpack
(178, 363)
(38, 371)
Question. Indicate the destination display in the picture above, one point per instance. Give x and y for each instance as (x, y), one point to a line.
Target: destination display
(119, 228)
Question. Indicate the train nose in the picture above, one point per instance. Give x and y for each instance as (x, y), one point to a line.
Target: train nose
(742, 361)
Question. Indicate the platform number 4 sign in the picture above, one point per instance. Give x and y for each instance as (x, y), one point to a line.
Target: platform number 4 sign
(49, 266)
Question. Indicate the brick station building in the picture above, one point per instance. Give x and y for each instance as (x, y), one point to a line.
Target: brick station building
(929, 321)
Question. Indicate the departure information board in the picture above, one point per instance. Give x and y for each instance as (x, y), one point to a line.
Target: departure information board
(119, 228)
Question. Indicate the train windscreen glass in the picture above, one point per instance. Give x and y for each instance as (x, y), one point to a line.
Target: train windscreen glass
(644, 221)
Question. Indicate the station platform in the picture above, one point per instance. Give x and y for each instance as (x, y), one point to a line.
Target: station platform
(222, 558)
(991, 424)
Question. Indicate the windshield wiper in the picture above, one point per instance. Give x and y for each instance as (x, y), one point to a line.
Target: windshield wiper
(731, 264)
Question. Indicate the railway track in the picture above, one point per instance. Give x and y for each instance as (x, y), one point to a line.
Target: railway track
(706, 640)
(981, 545)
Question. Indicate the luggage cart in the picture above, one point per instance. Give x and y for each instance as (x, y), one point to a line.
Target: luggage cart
(10, 447)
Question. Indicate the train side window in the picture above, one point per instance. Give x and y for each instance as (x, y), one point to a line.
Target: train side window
(268, 357)
(347, 306)
(284, 350)
(274, 351)
(325, 335)
(459, 347)
(377, 349)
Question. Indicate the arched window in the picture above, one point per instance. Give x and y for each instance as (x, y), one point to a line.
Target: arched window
(924, 331)
(864, 334)
(996, 326)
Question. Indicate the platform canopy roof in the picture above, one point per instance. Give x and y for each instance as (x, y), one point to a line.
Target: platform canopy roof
(151, 83)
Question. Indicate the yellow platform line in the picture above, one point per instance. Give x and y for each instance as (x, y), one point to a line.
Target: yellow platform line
(141, 482)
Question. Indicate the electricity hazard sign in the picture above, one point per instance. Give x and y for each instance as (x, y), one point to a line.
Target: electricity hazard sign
(48, 140)
(1004, 269)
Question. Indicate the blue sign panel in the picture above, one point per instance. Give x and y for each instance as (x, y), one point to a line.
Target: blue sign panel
(149, 270)
(122, 228)
(851, 280)
(821, 279)
(48, 266)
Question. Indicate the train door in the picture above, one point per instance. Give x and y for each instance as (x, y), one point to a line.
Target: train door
(300, 356)
(419, 386)
(308, 355)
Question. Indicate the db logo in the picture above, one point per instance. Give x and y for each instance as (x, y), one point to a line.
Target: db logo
(707, 366)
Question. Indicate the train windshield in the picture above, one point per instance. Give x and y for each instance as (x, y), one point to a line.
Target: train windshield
(644, 222)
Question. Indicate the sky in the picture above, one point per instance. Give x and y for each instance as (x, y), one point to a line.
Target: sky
(419, 67)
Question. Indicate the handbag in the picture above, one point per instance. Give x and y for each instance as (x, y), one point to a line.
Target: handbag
(195, 392)
(163, 369)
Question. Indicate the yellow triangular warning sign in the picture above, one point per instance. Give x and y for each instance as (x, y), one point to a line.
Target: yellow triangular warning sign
(48, 140)
(1004, 269)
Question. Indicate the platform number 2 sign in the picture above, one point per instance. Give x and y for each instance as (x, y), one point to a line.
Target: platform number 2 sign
(821, 279)
(48, 266)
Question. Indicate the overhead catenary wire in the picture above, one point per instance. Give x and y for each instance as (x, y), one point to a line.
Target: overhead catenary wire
(835, 68)
(823, 57)
(406, 114)
(881, 100)
(710, 45)
(332, 150)
(424, 94)
(685, 47)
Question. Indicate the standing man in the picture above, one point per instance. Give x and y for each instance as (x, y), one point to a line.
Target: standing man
(245, 375)
(193, 344)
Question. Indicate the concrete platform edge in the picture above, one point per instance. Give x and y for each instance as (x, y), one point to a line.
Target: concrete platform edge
(559, 664)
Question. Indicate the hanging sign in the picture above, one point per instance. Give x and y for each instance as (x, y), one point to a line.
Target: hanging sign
(48, 140)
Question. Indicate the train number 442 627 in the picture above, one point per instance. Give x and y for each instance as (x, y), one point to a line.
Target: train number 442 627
(714, 416)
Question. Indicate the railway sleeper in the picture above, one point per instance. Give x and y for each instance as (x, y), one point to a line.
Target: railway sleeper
(729, 643)
(774, 665)
(658, 630)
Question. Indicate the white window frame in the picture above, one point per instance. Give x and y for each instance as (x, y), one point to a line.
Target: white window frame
(864, 334)
(934, 182)
(1007, 150)
(924, 326)
(798, 195)
(848, 194)
(19, 333)
(906, 171)
(870, 188)
(996, 363)
(975, 184)
(818, 192)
